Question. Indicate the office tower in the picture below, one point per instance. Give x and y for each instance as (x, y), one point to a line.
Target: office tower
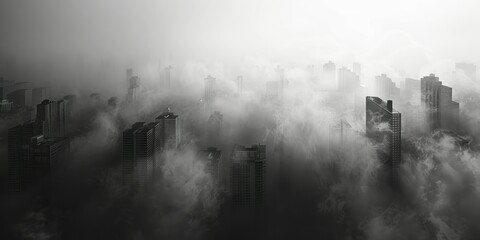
(329, 71)
(169, 130)
(341, 135)
(412, 91)
(21, 97)
(46, 157)
(210, 89)
(214, 127)
(141, 148)
(436, 98)
(357, 68)
(348, 81)
(282, 81)
(168, 77)
(38, 95)
(129, 74)
(53, 114)
(385, 88)
(70, 102)
(19, 138)
(239, 85)
(5, 86)
(383, 128)
(212, 157)
(133, 88)
(5, 106)
(470, 70)
(248, 176)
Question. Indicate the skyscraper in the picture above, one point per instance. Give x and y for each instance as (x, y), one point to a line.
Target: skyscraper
(248, 176)
(357, 68)
(141, 146)
(18, 152)
(436, 98)
(21, 97)
(412, 91)
(212, 157)
(348, 81)
(386, 88)
(329, 71)
(168, 77)
(53, 113)
(133, 88)
(470, 70)
(210, 89)
(214, 128)
(383, 128)
(47, 156)
(239, 85)
(169, 129)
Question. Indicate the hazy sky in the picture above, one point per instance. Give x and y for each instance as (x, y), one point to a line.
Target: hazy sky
(404, 34)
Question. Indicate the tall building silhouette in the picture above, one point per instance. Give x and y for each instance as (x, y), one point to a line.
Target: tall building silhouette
(168, 77)
(357, 68)
(247, 176)
(470, 70)
(436, 98)
(141, 146)
(330, 71)
(47, 155)
(348, 81)
(385, 88)
(212, 157)
(53, 113)
(239, 85)
(214, 128)
(412, 91)
(383, 128)
(18, 152)
(169, 129)
(133, 89)
(210, 89)
(32, 157)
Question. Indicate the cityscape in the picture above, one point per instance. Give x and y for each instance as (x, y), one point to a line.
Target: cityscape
(226, 140)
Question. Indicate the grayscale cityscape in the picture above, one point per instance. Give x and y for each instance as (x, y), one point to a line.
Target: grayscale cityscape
(210, 119)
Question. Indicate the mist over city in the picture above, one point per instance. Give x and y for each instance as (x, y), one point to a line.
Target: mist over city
(210, 119)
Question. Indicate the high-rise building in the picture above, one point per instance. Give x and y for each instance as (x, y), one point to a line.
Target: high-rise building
(141, 149)
(214, 127)
(210, 89)
(330, 71)
(385, 88)
(168, 77)
(169, 130)
(38, 95)
(383, 128)
(412, 91)
(239, 85)
(436, 98)
(21, 97)
(348, 81)
(53, 113)
(18, 152)
(5, 106)
(212, 157)
(357, 68)
(46, 157)
(341, 135)
(133, 88)
(247, 176)
(470, 70)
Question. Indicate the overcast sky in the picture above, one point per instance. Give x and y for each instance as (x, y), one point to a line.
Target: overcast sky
(405, 34)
